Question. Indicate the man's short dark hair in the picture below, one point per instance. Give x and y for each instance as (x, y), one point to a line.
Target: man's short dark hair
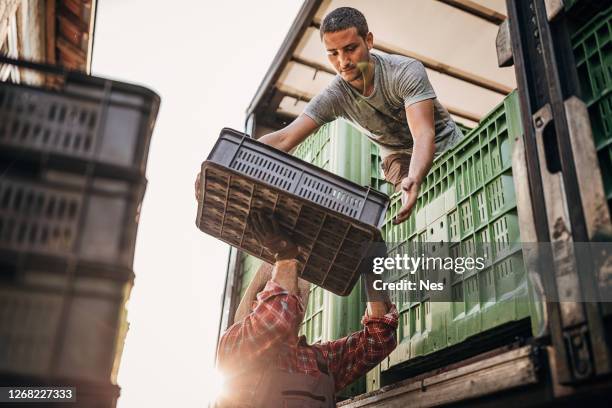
(343, 18)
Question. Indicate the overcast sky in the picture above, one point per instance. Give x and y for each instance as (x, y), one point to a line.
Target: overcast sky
(205, 59)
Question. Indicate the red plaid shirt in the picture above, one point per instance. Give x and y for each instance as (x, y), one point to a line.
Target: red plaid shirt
(268, 336)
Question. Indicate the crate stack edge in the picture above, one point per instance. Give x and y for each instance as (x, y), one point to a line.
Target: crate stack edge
(73, 161)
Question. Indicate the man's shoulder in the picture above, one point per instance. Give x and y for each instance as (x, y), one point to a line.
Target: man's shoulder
(395, 61)
(335, 87)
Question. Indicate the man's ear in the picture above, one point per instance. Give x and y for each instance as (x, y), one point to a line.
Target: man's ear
(369, 39)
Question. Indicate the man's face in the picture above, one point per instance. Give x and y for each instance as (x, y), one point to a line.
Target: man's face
(347, 52)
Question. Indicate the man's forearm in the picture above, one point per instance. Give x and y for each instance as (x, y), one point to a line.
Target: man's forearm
(276, 140)
(285, 273)
(377, 309)
(422, 156)
(378, 301)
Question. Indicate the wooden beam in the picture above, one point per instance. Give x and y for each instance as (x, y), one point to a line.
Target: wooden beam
(72, 57)
(510, 370)
(72, 28)
(50, 30)
(91, 7)
(442, 68)
(299, 96)
(453, 110)
(313, 65)
(75, 7)
(477, 10)
(449, 70)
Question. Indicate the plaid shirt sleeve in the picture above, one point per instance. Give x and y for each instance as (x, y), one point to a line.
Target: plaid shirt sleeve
(274, 318)
(354, 355)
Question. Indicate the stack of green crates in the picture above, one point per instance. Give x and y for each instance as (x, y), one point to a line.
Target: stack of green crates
(592, 45)
(467, 199)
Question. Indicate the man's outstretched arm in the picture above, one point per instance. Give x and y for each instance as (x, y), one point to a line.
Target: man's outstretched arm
(354, 355)
(420, 118)
(287, 138)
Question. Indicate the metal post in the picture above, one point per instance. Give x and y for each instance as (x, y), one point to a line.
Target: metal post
(547, 80)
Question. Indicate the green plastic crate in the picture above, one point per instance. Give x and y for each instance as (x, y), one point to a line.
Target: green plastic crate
(464, 129)
(580, 12)
(593, 55)
(315, 149)
(466, 199)
(343, 149)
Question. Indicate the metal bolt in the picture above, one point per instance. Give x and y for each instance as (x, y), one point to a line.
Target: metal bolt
(577, 341)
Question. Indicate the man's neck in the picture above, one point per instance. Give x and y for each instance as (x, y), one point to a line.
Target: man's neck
(365, 84)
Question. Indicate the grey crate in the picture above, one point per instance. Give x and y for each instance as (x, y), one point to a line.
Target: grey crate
(86, 120)
(331, 219)
(61, 214)
(58, 323)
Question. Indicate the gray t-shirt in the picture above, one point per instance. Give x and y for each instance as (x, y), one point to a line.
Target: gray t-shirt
(398, 83)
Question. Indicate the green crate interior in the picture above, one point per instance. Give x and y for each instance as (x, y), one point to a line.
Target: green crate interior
(249, 266)
(315, 149)
(467, 199)
(582, 11)
(593, 55)
(351, 153)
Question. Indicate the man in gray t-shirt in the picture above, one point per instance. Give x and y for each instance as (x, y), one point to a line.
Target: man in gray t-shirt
(388, 96)
(399, 82)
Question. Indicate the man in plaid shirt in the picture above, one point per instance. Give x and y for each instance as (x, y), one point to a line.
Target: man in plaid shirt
(264, 360)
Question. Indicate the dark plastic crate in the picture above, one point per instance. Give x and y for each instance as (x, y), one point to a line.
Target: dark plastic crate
(87, 120)
(61, 325)
(66, 215)
(332, 219)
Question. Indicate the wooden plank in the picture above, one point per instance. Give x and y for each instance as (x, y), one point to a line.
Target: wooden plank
(71, 53)
(313, 65)
(50, 30)
(449, 70)
(72, 29)
(499, 373)
(477, 10)
(453, 110)
(75, 7)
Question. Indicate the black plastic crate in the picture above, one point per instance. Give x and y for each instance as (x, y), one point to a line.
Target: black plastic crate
(86, 120)
(67, 215)
(59, 321)
(332, 220)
